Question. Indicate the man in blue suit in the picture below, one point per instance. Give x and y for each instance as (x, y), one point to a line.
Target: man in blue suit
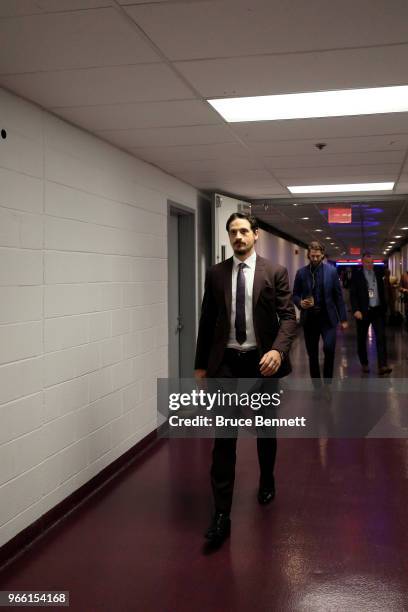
(317, 293)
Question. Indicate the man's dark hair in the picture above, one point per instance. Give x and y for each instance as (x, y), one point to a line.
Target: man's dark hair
(238, 215)
(366, 254)
(315, 245)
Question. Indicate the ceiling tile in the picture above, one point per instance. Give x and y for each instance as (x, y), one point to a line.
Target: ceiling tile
(318, 160)
(260, 175)
(323, 128)
(320, 179)
(307, 150)
(92, 86)
(70, 40)
(250, 182)
(219, 150)
(10, 8)
(248, 27)
(129, 2)
(141, 115)
(262, 194)
(200, 134)
(248, 190)
(235, 164)
(298, 72)
(334, 171)
(402, 185)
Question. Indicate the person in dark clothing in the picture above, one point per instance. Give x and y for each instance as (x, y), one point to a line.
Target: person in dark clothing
(369, 306)
(318, 295)
(247, 327)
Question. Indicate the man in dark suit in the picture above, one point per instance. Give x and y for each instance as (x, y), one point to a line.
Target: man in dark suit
(369, 306)
(317, 293)
(247, 326)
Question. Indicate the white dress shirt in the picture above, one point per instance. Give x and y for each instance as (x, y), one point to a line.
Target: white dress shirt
(249, 273)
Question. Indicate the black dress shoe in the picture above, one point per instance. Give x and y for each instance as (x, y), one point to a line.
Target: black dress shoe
(219, 529)
(384, 370)
(266, 495)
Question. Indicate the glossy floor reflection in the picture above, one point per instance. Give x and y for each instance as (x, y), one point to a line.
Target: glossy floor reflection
(335, 538)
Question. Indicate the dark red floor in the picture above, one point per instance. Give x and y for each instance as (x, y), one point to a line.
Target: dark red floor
(335, 538)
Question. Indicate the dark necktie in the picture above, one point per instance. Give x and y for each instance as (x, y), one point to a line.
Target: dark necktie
(240, 322)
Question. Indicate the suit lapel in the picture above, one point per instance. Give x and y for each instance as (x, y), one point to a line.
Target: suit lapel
(325, 277)
(228, 286)
(258, 281)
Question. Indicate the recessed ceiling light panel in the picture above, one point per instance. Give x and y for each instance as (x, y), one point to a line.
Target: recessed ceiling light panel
(341, 188)
(338, 103)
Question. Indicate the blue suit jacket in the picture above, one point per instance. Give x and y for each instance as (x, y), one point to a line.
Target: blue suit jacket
(333, 297)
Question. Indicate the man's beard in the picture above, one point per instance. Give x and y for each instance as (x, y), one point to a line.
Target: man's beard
(241, 249)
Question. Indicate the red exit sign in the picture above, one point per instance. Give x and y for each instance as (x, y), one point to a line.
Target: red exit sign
(339, 215)
(355, 251)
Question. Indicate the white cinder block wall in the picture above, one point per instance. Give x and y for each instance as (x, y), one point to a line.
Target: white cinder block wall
(83, 306)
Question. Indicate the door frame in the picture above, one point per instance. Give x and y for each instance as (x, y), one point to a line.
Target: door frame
(187, 284)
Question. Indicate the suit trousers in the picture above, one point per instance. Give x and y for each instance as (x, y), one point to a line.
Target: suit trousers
(238, 365)
(317, 324)
(374, 317)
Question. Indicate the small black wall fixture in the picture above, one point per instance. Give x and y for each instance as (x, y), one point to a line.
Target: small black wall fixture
(3, 134)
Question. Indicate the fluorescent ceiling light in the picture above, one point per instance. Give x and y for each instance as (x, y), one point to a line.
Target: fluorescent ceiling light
(404, 228)
(305, 218)
(340, 188)
(338, 103)
(318, 230)
(397, 236)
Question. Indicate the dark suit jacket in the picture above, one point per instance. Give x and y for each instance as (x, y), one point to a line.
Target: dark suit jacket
(333, 296)
(273, 314)
(359, 291)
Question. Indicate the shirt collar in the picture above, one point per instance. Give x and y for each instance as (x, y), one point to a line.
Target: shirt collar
(250, 261)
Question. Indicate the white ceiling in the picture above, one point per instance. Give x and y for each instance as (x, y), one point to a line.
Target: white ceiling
(138, 73)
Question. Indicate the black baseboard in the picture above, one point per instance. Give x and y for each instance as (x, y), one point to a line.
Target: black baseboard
(23, 540)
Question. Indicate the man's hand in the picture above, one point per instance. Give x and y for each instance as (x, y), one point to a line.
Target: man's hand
(305, 304)
(358, 315)
(344, 325)
(200, 373)
(270, 363)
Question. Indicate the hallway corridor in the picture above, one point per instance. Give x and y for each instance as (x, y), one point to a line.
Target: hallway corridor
(335, 538)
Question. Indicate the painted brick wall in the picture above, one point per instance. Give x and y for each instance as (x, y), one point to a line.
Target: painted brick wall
(83, 306)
